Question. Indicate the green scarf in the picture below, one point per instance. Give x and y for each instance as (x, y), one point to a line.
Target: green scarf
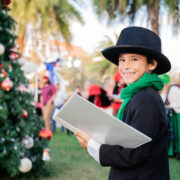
(147, 80)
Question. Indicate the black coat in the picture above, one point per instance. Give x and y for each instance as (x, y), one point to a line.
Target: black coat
(146, 113)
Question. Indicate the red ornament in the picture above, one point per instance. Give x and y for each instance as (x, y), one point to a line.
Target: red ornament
(4, 72)
(7, 84)
(24, 114)
(15, 48)
(6, 3)
(14, 55)
(46, 133)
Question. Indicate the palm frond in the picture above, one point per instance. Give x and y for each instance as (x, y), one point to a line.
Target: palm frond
(54, 16)
(103, 66)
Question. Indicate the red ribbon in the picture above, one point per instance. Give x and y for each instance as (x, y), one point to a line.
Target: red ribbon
(4, 72)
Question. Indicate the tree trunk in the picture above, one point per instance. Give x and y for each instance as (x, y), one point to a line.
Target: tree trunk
(22, 30)
(121, 6)
(153, 13)
(21, 44)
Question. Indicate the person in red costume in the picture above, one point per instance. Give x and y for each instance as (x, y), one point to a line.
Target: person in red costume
(98, 96)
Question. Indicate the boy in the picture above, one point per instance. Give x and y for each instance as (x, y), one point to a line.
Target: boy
(138, 55)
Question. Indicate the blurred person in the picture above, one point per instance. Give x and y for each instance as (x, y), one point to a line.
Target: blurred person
(172, 104)
(164, 95)
(78, 90)
(108, 85)
(99, 97)
(47, 101)
(85, 92)
(38, 103)
(59, 101)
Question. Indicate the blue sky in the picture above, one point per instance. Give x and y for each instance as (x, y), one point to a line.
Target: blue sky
(88, 35)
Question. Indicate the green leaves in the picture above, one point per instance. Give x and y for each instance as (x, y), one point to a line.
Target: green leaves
(3, 111)
(131, 9)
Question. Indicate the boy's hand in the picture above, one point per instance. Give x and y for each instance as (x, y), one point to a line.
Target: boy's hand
(83, 139)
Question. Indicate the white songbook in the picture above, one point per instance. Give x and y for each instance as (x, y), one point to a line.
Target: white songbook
(78, 114)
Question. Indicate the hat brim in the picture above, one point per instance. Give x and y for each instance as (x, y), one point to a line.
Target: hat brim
(112, 54)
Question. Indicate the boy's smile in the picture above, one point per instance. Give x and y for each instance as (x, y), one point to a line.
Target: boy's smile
(133, 66)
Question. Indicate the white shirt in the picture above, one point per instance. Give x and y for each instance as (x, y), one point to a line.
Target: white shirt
(93, 148)
(173, 97)
(163, 96)
(60, 98)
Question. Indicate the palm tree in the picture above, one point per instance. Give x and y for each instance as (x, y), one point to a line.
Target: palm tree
(129, 8)
(103, 66)
(45, 15)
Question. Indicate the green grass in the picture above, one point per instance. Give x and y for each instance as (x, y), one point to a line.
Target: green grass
(174, 169)
(70, 162)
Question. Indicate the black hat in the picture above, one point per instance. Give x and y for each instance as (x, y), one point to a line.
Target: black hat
(142, 41)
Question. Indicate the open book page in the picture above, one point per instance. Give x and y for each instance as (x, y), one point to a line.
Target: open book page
(78, 114)
(65, 123)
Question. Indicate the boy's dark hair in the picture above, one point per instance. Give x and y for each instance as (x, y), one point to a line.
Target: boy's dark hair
(150, 61)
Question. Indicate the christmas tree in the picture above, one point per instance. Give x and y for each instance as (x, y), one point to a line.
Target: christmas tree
(21, 148)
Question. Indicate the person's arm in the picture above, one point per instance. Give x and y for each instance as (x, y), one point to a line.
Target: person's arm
(89, 144)
(145, 119)
(53, 96)
(117, 100)
(83, 139)
(65, 97)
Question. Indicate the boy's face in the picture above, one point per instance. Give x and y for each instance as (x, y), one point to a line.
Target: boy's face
(133, 66)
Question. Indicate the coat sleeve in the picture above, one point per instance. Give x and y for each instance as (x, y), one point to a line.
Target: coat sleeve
(145, 118)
